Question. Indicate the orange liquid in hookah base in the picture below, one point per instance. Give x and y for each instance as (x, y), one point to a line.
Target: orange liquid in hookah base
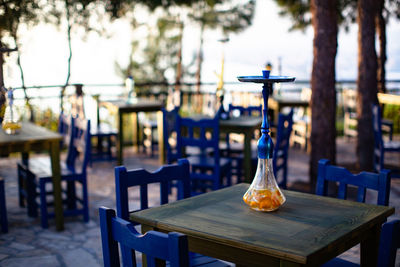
(263, 199)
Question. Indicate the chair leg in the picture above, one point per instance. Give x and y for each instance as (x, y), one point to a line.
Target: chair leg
(71, 195)
(21, 197)
(85, 201)
(43, 204)
(31, 194)
(3, 208)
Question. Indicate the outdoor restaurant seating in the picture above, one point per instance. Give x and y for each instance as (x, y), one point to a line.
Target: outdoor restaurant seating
(234, 147)
(379, 182)
(169, 128)
(178, 173)
(388, 244)
(35, 176)
(3, 208)
(281, 149)
(172, 247)
(208, 168)
(104, 135)
(380, 145)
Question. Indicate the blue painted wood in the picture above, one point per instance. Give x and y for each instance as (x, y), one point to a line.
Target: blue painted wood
(281, 149)
(246, 111)
(381, 146)
(379, 182)
(207, 166)
(388, 244)
(140, 177)
(172, 247)
(169, 128)
(38, 173)
(3, 208)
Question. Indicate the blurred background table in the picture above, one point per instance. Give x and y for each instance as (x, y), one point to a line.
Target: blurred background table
(135, 106)
(36, 138)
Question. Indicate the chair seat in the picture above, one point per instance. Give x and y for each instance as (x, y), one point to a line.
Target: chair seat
(41, 167)
(391, 145)
(337, 262)
(103, 130)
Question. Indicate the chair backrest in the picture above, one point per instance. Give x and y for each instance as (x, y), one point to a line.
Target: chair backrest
(281, 149)
(169, 128)
(140, 177)
(246, 111)
(379, 182)
(79, 148)
(202, 133)
(172, 247)
(389, 243)
(378, 140)
(65, 128)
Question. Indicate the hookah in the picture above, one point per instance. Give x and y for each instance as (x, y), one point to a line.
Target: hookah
(264, 193)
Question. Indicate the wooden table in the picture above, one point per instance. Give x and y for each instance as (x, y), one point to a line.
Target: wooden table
(36, 138)
(389, 99)
(278, 103)
(246, 126)
(307, 230)
(135, 106)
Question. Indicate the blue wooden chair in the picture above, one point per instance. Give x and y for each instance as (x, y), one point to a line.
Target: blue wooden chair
(281, 149)
(37, 175)
(208, 168)
(171, 247)
(104, 136)
(3, 208)
(178, 173)
(388, 244)
(169, 128)
(379, 182)
(381, 146)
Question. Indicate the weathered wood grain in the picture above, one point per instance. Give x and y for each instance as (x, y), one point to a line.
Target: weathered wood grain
(307, 229)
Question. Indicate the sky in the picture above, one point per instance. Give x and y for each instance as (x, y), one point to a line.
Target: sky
(45, 51)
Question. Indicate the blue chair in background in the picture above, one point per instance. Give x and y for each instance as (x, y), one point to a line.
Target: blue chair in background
(170, 134)
(281, 149)
(37, 175)
(208, 168)
(381, 146)
(379, 182)
(171, 247)
(177, 173)
(3, 208)
(388, 244)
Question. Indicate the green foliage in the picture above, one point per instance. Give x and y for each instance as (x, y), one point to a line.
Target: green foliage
(392, 112)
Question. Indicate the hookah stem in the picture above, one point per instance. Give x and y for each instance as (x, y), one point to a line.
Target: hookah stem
(265, 124)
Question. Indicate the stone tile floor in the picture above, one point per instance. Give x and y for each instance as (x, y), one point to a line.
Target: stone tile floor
(27, 244)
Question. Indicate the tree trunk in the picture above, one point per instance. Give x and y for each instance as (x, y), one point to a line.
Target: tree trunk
(323, 97)
(381, 31)
(366, 81)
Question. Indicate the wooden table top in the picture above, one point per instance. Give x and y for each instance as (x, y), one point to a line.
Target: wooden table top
(241, 122)
(307, 229)
(29, 133)
(135, 105)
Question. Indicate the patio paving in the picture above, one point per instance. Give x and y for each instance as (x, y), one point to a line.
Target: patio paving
(27, 244)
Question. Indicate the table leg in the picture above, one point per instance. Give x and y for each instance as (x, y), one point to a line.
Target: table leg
(135, 131)
(247, 157)
(55, 167)
(120, 139)
(370, 247)
(160, 129)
